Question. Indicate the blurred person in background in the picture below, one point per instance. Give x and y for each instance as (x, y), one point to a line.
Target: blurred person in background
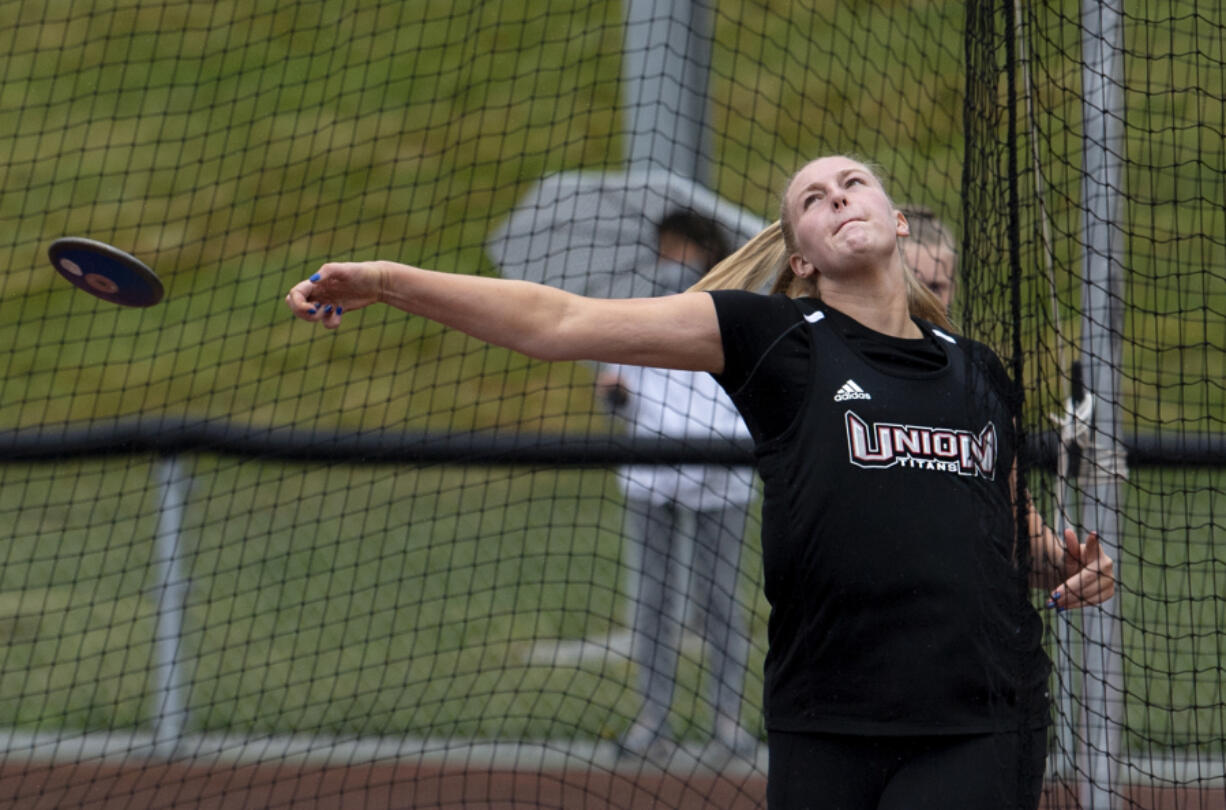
(931, 253)
(684, 524)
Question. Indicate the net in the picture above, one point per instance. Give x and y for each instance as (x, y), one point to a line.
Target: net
(1097, 140)
(388, 566)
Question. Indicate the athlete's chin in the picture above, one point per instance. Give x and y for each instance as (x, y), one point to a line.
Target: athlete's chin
(854, 260)
(858, 240)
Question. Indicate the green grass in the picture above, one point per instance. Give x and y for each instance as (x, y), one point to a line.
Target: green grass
(339, 600)
(384, 601)
(236, 146)
(1171, 575)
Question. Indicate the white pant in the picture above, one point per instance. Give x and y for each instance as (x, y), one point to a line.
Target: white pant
(663, 536)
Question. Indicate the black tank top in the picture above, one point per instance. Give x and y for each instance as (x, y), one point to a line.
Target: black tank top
(897, 606)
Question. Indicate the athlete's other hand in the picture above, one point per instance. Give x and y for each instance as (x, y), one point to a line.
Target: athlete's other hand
(337, 288)
(1088, 578)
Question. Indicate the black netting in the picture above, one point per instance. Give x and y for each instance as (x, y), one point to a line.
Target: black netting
(250, 561)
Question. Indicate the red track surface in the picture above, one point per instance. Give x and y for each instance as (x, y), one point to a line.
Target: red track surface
(161, 786)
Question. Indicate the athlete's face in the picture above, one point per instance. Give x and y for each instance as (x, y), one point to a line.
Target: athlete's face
(934, 267)
(841, 217)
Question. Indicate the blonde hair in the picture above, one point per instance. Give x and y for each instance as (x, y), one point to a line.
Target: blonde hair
(764, 260)
(752, 266)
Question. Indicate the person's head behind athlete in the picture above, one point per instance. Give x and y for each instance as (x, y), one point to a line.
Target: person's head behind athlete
(931, 253)
(691, 239)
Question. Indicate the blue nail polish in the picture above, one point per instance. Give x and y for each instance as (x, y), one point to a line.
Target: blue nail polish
(315, 277)
(1051, 603)
(310, 312)
(339, 310)
(327, 309)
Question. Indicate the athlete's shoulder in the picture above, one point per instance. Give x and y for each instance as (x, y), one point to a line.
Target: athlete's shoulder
(951, 337)
(981, 354)
(948, 336)
(742, 304)
(977, 353)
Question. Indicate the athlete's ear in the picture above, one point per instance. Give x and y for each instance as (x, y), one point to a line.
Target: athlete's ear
(902, 227)
(801, 266)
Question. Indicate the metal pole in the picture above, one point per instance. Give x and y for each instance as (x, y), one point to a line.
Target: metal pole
(1101, 356)
(170, 595)
(666, 64)
(1074, 426)
(666, 61)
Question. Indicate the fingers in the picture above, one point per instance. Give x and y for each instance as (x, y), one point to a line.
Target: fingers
(1092, 580)
(1072, 550)
(297, 299)
(1087, 587)
(306, 300)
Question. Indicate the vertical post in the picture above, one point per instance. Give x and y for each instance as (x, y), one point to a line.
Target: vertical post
(1101, 356)
(170, 596)
(1068, 662)
(1074, 435)
(666, 64)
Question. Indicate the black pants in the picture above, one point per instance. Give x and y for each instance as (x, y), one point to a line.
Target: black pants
(966, 772)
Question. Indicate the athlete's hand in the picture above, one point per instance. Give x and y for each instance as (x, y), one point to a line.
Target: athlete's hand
(612, 391)
(1088, 578)
(337, 288)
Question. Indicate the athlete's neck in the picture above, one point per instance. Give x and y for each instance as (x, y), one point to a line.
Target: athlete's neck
(876, 296)
(893, 319)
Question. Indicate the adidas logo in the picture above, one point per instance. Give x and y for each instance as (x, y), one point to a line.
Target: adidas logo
(850, 390)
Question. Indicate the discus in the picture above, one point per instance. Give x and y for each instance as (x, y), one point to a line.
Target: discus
(106, 272)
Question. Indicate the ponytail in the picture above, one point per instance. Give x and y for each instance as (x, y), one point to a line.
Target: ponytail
(752, 266)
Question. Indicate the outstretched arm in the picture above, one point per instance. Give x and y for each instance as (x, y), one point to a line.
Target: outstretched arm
(676, 331)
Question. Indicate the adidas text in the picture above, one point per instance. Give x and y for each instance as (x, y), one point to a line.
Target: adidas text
(850, 390)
